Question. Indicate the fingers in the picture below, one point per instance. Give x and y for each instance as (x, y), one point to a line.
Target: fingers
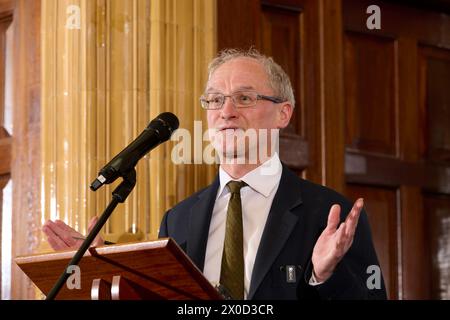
(334, 242)
(56, 244)
(333, 217)
(61, 232)
(53, 239)
(341, 241)
(61, 226)
(66, 233)
(60, 236)
(346, 231)
(352, 218)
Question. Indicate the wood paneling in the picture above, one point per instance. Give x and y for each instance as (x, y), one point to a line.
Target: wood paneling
(5, 158)
(435, 103)
(280, 32)
(401, 90)
(304, 37)
(381, 206)
(5, 22)
(5, 136)
(383, 171)
(409, 129)
(7, 8)
(370, 87)
(25, 161)
(297, 157)
(365, 109)
(412, 245)
(399, 20)
(238, 24)
(437, 209)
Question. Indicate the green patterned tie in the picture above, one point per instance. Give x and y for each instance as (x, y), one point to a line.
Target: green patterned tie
(232, 272)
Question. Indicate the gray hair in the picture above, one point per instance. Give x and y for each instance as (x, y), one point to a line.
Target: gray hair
(278, 79)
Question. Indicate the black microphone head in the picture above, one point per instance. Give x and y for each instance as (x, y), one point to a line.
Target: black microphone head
(165, 124)
(170, 119)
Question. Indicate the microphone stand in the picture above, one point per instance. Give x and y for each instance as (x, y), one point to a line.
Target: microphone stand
(118, 196)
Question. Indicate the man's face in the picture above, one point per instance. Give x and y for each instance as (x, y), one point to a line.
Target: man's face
(229, 123)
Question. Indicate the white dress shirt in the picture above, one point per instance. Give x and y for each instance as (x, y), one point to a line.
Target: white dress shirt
(256, 198)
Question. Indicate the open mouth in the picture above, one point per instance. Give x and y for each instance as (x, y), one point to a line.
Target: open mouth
(228, 129)
(229, 132)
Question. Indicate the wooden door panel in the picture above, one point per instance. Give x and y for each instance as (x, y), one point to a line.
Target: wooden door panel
(274, 27)
(434, 84)
(280, 32)
(238, 24)
(369, 71)
(379, 97)
(381, 208)
(397, 106)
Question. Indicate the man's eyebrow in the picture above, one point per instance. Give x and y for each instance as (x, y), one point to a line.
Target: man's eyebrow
(240, 88)
(245, 88)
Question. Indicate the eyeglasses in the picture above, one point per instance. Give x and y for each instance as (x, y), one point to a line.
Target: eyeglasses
(241, 99)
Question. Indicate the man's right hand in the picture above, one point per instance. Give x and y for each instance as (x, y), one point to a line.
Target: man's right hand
(60, 236)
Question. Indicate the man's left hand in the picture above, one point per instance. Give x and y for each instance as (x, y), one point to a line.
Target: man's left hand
(334, 242)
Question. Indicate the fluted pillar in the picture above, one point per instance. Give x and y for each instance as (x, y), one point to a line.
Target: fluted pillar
(104, 77)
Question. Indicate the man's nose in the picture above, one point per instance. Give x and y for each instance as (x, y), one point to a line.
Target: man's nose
(228, 110)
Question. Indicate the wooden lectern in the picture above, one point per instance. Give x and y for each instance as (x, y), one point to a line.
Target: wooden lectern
(144, 270)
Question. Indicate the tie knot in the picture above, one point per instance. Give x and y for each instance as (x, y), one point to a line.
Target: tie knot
(235, 186)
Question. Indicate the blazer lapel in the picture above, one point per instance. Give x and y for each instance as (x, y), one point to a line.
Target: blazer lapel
(279, 225)
(199, 221)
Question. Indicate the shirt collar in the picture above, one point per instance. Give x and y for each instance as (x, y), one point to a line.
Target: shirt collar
(262, 179)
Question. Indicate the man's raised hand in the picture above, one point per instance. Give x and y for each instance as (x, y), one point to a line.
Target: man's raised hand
(335, 241)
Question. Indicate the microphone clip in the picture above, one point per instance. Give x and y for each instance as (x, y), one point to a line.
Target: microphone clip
(126, 186)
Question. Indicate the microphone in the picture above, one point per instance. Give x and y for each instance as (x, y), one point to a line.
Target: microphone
(158, 131)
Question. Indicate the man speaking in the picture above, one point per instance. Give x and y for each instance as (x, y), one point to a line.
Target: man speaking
(259, 231)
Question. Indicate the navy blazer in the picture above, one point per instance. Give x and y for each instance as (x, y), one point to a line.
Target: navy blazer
(298, 215)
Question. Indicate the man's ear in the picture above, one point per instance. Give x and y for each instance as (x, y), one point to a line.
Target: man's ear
(285, 114)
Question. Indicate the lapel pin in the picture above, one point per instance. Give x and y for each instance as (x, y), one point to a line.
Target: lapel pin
(291, 274)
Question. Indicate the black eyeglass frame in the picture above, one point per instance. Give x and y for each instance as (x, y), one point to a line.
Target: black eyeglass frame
(258, 97)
